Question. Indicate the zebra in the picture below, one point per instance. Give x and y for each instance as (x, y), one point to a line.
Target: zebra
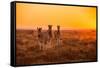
(57, 36)
(43, 38)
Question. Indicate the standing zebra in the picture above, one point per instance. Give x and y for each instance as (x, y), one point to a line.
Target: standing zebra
(57, 36)
(40, 37)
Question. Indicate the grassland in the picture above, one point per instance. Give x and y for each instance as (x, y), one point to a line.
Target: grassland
(76, 46)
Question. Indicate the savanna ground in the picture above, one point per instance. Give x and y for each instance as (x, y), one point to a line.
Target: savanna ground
(76, 46)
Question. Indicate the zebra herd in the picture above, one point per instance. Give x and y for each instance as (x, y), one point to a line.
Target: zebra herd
(48, 39)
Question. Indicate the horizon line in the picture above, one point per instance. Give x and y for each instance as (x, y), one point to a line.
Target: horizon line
(52, 29)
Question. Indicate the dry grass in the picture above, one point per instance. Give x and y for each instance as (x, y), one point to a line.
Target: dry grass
(75, 46)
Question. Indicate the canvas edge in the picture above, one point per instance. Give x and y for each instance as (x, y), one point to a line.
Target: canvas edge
(12, 35)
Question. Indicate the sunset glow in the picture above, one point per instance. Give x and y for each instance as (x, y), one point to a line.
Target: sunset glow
(31, 16)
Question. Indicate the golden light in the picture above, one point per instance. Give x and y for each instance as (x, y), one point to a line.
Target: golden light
(31, 16)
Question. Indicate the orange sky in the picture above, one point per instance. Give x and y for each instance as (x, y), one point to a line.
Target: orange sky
(31, 16)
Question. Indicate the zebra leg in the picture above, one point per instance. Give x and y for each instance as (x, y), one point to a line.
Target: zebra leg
(58, 42)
